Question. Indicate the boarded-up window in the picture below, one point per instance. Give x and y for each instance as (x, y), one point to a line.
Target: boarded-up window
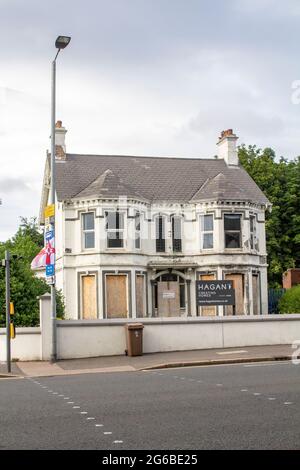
(255, 294)
(210, 310)
(88, 297)
(238, 285)
(116, 295)
(140, 292)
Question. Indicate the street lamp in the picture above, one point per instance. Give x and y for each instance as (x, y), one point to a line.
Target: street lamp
(60, 43)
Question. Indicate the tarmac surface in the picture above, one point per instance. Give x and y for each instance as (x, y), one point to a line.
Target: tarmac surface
(233, 406)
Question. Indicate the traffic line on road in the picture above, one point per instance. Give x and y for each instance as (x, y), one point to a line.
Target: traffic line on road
(107, 432)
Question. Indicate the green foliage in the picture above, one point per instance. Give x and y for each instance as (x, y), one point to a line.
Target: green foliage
(25, 286)
(290, 301)
(280, 182)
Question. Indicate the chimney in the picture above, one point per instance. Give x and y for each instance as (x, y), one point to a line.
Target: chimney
(227, 147)
(60, 146)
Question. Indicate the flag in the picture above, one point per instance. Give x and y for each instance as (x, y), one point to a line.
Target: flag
(40, 260)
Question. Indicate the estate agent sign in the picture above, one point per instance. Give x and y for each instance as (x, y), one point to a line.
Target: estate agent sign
(215, 293)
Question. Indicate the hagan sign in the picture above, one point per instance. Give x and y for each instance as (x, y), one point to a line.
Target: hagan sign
(215, 293)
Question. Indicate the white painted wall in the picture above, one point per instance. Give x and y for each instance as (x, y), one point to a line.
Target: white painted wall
(106, 337)
(25, 347)
(80, 339)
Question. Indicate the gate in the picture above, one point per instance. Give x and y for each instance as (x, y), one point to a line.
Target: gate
(274, 295)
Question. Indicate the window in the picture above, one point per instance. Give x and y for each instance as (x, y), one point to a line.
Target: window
(88, 229)
(137, 230)
(115, 229)
(232, 228)
(253, 241)
(207, 229)
(176, 234)
(160, 234)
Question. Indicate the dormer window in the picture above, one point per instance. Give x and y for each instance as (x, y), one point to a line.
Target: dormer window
(115, 229)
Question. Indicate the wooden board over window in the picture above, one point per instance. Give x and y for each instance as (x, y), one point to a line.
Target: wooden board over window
(256, 294)
(140, 293)
(209, 310)
(89, 297)
(238, 285)
(168, 299)
(116, 296)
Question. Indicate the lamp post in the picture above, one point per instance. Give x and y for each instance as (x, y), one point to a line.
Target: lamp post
(60, 43)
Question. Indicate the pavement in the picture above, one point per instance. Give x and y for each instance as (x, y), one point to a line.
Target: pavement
(110, 364)
(229, 406)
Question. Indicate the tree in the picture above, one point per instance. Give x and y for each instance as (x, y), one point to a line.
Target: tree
(25, 286)
(280, 181)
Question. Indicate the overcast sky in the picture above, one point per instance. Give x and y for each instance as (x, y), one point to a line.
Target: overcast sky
(142, 77)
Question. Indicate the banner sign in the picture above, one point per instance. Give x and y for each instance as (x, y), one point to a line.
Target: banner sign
(215, 293)
(50, 253)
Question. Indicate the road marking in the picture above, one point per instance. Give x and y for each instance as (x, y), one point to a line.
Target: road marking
(90, 417)
(98, 425)
(67, 398)
(107, 432)
(199, 381)
(55, 393)
(288, 403)
(60, 395)
(83, 412)
(265, 364)
(76, 407)
(244, 390)
(118, 442)
(219, 385)
(256, 393)
(241, 351)
(271, 398)
(70, 402)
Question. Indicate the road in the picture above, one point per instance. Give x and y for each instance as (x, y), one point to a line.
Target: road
(254, 406)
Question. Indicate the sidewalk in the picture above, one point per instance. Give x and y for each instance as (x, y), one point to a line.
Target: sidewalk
(150, 361)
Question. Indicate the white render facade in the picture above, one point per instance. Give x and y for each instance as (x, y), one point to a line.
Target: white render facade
(163, 247)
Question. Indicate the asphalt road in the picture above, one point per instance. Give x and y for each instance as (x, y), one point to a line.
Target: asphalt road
(255, 406)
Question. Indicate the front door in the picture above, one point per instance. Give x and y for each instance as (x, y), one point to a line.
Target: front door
(238, 285)
(116, 295)
(89, 297)
(168, 297)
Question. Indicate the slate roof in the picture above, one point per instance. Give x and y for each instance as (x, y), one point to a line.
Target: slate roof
(154, 179)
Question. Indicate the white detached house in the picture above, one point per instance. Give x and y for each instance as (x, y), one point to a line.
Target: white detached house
(133, 234)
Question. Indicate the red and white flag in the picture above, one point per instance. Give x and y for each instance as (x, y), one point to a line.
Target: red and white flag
(40, 260)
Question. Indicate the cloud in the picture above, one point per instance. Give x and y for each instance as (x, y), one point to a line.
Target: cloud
(142, 78)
